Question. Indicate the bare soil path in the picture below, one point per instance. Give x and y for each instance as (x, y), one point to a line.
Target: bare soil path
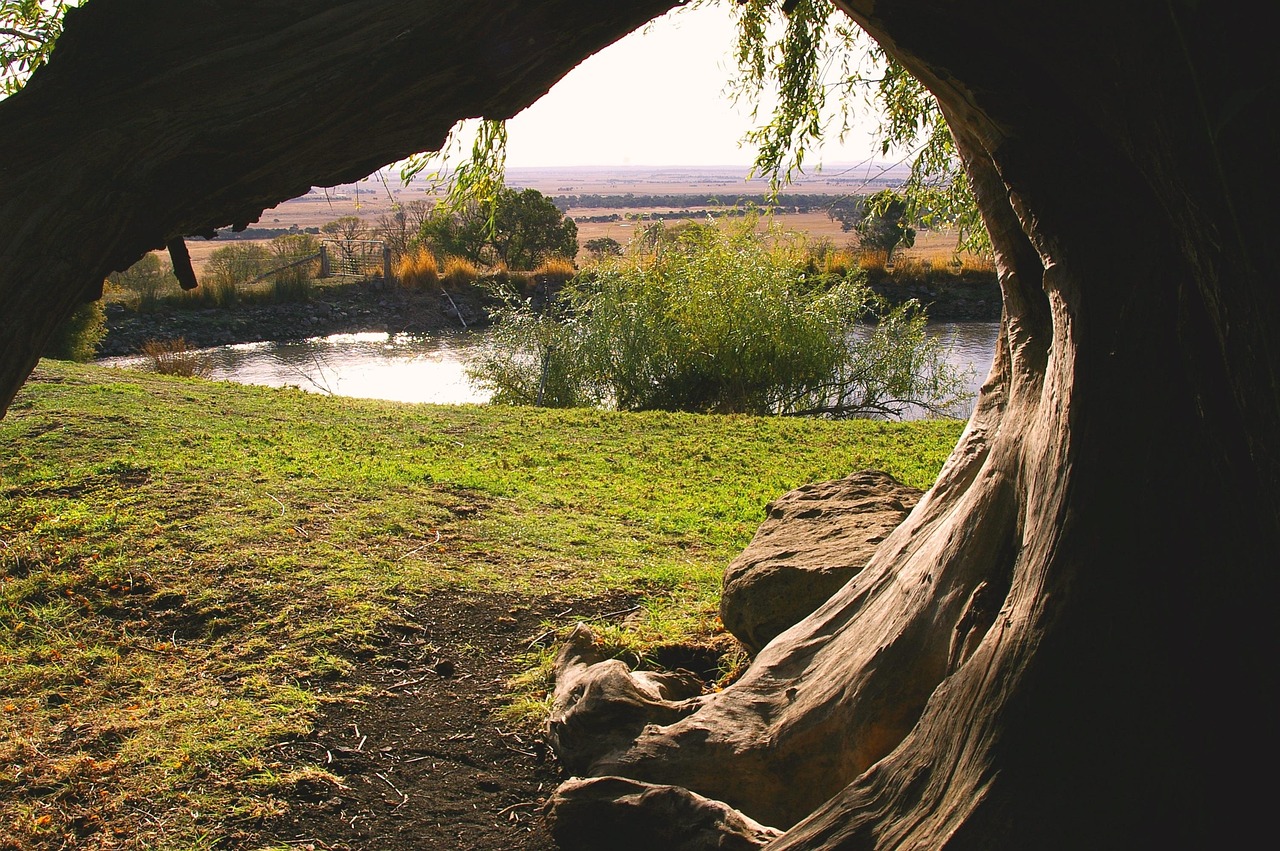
(427, 760)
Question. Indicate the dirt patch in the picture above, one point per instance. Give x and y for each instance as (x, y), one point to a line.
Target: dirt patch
(427, 760)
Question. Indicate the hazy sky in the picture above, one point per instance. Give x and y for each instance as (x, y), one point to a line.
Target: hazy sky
(653, 98)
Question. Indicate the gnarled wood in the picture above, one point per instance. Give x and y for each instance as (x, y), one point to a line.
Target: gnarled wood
(1010, 670)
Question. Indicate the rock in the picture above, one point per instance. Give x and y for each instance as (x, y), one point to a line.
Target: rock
(601, 705)
(625, 815)
(813, 540)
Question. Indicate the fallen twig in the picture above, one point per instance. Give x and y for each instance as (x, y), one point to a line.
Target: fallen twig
(405, 684)
(423, 546)
(384, 779)
(519, 806)
(539, 639)
(615, 614)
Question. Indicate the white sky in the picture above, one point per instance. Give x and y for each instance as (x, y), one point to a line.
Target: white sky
(654, 98)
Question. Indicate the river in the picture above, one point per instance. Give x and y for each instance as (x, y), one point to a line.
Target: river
(432, 369)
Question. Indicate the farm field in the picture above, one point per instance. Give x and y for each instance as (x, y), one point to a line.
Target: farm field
(376, 196)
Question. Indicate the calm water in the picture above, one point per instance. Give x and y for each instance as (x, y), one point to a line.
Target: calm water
(416, 368)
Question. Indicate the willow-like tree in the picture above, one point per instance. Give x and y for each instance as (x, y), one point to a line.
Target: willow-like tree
(1069, 642)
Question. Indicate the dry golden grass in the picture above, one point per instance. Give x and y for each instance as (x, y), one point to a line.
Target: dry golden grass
(556, 267)
(840, 262)
(458, 272)
(175, 357)
(417, 270)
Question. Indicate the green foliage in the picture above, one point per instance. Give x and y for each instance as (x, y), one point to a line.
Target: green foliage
(146, 281)
(884, 226)
(815, 59)
(293, 280)
(718, 320)
(602, 247)
(28, 31)
(792, 68)
(517, 228)
(480, 178)
(77, 338)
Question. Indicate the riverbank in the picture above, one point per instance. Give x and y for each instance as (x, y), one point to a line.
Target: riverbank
(361, 307)
(967, 296)
(332, 309)
(241, 617)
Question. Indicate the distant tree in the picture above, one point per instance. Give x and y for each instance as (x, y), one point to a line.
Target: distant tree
(345, 229)
(145, 280)
(848, 211)
(603, 246)
(399, 229)
(518, 228)
(885, 226)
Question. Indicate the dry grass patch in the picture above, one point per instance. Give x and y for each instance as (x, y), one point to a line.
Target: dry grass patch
(418, 270)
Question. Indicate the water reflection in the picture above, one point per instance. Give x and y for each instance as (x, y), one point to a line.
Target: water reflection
(373, 365)
(971, 347)
(417, 368)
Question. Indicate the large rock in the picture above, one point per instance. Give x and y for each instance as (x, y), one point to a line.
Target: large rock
(813, 540)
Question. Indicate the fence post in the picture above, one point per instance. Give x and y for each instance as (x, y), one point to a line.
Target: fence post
(324, 261)
(386, 262)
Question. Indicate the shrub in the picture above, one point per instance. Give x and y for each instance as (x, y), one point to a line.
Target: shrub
(720, 321)
(293, 280)
(78, 336)
(229, 268)
(145, 281)
(175, 357)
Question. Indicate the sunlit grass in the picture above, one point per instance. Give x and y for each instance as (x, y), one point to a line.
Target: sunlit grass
(189, 570)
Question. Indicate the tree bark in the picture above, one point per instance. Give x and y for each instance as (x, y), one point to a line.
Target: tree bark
(1059, 648)
(1068, 643)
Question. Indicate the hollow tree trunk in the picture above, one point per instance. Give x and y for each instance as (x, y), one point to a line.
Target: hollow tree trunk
(1067, 644)
(1062, 646)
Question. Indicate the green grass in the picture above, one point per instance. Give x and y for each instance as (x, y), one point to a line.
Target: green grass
(189, 569)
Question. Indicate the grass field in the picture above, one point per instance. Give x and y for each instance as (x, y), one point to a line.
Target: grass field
(190, 570)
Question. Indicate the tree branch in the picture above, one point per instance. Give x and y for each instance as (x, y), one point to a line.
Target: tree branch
(25, 36)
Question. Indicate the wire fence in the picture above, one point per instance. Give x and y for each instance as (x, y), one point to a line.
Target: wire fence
(355, 258)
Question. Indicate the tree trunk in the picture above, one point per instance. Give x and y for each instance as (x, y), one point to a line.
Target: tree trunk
(1060, 647)
(1067, 643)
